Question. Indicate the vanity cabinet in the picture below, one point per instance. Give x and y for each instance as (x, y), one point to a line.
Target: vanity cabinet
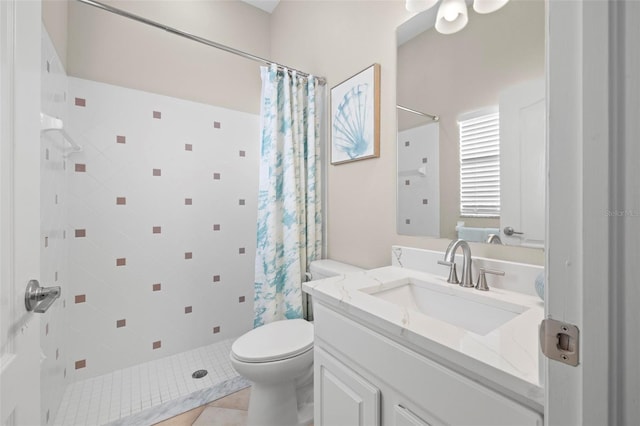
(364, 378)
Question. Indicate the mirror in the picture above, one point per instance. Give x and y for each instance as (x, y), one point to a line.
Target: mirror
(494, 63)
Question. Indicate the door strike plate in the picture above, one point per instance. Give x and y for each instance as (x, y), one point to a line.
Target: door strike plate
(560, 341)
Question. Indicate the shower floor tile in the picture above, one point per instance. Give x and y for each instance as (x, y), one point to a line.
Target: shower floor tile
(150, 392)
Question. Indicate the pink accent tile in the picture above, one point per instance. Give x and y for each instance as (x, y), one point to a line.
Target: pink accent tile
(188, 255)
(157, 229)
(156, 287)
(121, 201)
(46, 242)
(157, 172)
(81, 168)
(241, 202)
(188, 309)
(216, 124)
(188, 147)
(216, 176)
(216, 278)
(241, 250)
(243, 154)
(216, 329)
(157, 114)
(188, 201)
(216, 227)
(157, 344)
(121, 139)
(241, 299)
(81, 364)
(81, 102)
(121, 323)
(81, 233)
(80, 298)
(121, 261)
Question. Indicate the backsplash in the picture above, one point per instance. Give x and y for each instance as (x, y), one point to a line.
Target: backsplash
(518, 277)
(162, 213)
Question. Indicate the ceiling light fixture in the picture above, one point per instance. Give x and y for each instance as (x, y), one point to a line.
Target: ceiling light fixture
(452, 15)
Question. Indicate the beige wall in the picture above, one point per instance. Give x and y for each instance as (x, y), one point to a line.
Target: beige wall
(449, 75)
(54, 18)
(111, 49)
(336, 39)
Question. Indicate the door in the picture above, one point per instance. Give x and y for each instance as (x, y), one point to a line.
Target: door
(522, 164)
(19, 210)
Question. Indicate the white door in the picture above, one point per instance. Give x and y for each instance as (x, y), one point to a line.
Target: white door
(19, 210)
(593, 69)
(522, 164)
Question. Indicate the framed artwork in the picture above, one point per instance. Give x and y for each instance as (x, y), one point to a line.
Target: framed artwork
(355, 117)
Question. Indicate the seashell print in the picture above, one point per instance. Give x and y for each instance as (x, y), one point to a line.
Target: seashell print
(350, 121)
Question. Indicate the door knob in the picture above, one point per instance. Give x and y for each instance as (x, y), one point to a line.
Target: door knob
(509, 231)
(39, 299)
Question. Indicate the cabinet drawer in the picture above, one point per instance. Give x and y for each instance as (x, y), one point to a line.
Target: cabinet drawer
(442, 393)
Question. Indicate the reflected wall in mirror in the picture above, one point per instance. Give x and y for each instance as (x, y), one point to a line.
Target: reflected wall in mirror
(454, 75)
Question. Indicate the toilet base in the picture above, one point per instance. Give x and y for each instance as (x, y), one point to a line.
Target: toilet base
(276, 404)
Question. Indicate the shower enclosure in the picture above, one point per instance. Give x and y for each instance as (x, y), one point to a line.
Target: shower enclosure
(148, 216)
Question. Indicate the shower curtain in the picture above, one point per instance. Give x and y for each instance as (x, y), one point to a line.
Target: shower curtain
(289, 233)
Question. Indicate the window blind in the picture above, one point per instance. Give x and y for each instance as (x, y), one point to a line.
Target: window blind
(480, 166)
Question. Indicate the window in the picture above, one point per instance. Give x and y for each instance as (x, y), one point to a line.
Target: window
(480, 164)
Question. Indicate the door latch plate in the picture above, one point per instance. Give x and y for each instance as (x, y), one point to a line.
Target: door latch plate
(560, 341)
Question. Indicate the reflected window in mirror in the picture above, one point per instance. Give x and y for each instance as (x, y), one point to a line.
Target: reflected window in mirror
(480, 164)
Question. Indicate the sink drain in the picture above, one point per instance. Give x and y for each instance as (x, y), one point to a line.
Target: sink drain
(199, 374)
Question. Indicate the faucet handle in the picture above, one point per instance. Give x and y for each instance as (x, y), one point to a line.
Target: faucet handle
(453, 275)
(482, 279)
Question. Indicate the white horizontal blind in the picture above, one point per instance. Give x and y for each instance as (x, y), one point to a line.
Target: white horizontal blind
(480, 166)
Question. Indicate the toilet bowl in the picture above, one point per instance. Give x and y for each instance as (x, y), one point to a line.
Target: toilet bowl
(278, 359)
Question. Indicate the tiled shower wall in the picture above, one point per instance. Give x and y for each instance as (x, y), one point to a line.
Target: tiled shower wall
(54, 239)
(162, 213)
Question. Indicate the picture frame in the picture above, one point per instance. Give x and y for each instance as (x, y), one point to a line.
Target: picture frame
(355, 117)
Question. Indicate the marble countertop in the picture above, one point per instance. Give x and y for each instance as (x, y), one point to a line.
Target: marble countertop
(506, 359)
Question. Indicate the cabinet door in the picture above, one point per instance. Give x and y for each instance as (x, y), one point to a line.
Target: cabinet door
(342, 397)
(403, 417)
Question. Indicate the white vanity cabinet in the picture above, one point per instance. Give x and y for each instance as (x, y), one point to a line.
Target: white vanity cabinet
(364, 378)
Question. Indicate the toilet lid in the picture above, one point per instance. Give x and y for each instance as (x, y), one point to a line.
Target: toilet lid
(274, 341)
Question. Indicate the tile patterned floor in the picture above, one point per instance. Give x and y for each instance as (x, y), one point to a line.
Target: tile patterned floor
(227, 411)
(153, 391)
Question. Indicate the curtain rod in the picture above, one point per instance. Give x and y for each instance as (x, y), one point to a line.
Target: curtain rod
(195, 38)
(424, 114)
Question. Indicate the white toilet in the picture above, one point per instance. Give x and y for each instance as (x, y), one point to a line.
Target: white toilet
(278, 360)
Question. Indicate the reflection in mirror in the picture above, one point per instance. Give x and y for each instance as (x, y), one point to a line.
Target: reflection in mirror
(459, 74)
(418, 169)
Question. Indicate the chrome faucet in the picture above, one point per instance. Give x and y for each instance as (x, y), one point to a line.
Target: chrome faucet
(449, 260)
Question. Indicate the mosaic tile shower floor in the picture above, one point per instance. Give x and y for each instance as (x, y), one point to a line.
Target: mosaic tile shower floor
(153, 391)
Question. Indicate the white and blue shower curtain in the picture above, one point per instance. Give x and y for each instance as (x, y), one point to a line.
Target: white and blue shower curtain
(289, 233)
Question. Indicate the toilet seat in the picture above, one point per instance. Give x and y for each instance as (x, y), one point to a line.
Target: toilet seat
(275, 341)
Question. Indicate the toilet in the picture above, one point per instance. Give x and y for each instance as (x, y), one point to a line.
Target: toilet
(278, 360)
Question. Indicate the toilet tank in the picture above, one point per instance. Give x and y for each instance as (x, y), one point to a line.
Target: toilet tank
(326, 268)
(320, 269)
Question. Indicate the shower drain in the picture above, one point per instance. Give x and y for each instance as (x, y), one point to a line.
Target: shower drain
(199, 374)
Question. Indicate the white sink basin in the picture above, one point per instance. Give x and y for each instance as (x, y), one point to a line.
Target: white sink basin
(463, 307)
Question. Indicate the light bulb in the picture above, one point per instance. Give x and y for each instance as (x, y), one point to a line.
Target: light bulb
(488, 6)
(452, 16)
(415, 6)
